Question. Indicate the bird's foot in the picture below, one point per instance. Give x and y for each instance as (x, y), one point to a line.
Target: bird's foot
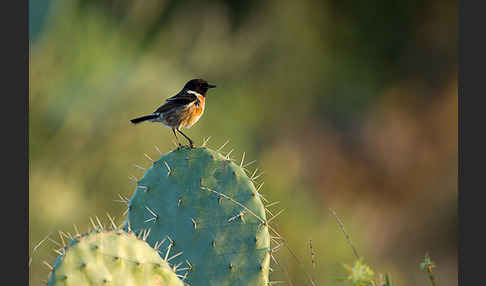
(188, 147)
(191, 145)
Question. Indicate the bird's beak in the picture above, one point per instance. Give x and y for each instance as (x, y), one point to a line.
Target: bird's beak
(211, 86)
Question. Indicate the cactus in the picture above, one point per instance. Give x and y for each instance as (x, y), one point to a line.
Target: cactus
(114, 257)
(201, 203)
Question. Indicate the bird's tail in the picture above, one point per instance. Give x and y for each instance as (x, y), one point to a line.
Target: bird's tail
(144, 118)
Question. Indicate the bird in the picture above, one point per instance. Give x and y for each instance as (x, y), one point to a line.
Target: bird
(181, 110)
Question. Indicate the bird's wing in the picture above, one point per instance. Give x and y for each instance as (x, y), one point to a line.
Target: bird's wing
(180, 99)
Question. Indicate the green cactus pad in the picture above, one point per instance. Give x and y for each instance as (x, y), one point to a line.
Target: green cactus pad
(111, 258)
(202, 204)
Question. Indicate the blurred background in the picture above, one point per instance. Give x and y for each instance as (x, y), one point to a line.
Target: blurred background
(349, 105)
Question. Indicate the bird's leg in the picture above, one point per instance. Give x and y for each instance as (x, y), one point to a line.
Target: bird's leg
(191, 144)
(180, 145)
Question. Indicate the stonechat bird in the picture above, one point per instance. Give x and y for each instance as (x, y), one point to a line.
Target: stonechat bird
(181, 110)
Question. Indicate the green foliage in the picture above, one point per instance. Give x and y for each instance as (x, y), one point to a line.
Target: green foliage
(388, 281)
(111, 257)
(427, 266)
(202, 205)
(360, 274)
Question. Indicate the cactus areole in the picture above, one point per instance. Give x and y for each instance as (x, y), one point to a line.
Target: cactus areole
(200, 203)
(111, 257)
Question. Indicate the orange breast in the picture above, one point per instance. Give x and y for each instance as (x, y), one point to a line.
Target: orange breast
(194, 113)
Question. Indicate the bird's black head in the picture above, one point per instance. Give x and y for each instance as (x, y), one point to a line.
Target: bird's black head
(198, 85)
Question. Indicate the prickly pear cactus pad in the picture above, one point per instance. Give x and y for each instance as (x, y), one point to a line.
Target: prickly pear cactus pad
(200, 203)
(111, 258)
